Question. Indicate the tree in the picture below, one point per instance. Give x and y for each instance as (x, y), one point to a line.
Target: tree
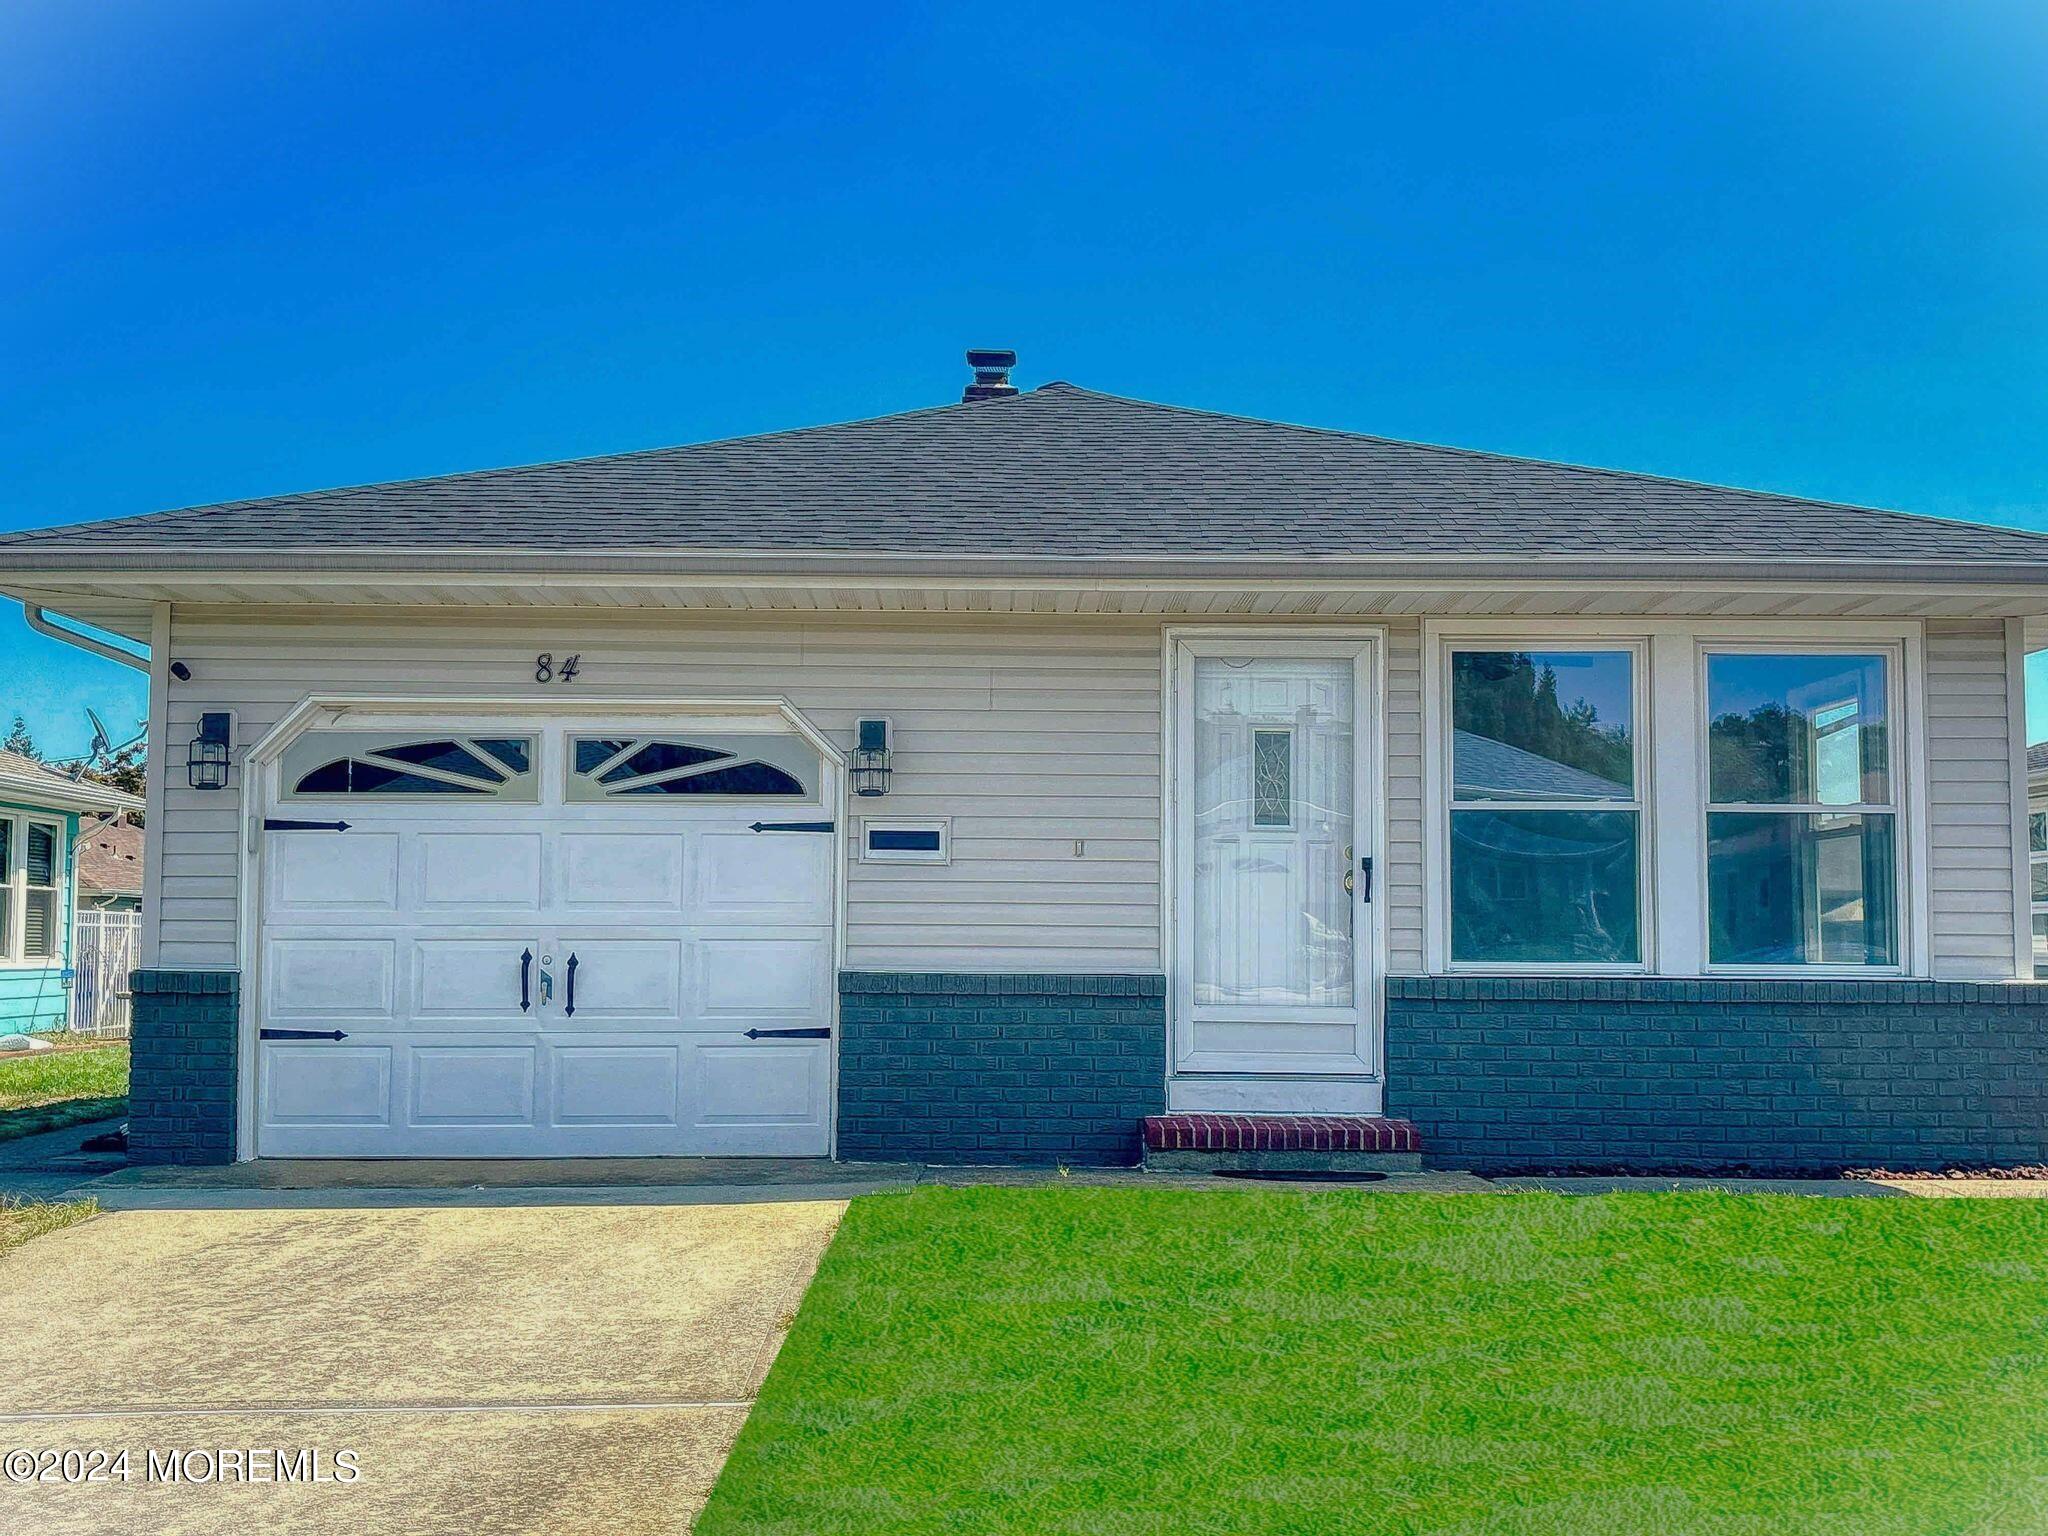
(123, 769)
(1505, 697)
(19, 739)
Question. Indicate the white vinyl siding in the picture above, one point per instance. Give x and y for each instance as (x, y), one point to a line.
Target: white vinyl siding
(1971, 816)
(1405, 801)
(1030, 736)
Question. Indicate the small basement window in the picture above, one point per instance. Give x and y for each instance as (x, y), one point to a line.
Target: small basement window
(906, 842)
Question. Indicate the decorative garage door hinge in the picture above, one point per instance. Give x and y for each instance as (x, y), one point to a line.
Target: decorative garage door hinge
(790, 826)
(789, 1034)
(300, 1034)
(282, 824)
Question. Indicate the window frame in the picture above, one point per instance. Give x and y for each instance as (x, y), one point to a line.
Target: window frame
(941, 825)
(1442, 790)
(1893, 653)
(14, 940)
(1673, 736)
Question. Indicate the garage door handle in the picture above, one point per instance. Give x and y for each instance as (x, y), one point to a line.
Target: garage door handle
(525, 979)
(300, 1034)
(570, 1010)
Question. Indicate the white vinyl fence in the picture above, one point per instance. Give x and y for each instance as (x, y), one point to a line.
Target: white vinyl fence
(106, 947)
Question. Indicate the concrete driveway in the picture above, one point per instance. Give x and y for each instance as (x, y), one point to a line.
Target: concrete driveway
(535, 1368)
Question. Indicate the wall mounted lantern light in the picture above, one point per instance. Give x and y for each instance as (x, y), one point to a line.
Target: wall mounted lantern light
(206, 764)
(870, 761)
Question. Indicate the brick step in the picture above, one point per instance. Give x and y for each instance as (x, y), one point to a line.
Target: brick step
(1309, 1143)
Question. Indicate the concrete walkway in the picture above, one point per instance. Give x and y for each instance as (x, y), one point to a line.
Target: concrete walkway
(1840, 1189)
(48, 1165)
(51, 1167)
(562, 1369)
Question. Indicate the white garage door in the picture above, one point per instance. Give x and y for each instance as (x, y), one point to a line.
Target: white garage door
(556, 941)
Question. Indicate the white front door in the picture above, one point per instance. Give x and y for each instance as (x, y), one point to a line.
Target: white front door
(558, 940)
(1277, 960)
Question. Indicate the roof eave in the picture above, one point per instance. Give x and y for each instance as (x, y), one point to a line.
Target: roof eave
(26, 570)
(65, 794)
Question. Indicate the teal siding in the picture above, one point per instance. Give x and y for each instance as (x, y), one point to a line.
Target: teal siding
(33, 1002)
(38, 999)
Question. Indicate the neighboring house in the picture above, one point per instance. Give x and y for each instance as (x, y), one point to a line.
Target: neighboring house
(979, 782)
(2037, 850)
(40, 817)
(110, 867)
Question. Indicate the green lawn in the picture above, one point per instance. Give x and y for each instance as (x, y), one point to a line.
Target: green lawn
(53, 1089)
(1119, 1362)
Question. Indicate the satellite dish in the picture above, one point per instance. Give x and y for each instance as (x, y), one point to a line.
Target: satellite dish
(101, 741)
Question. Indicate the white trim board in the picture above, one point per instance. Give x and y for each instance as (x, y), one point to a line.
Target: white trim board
(154, 767)
(2023, 854)
(1335, 1092)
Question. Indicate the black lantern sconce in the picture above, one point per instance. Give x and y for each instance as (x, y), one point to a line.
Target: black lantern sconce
(870, 761)
(206, 763)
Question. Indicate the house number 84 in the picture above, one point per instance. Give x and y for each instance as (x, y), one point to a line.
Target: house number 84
(544, 670)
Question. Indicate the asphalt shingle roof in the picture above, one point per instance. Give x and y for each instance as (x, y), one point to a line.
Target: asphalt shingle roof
(1497, 770)
(21, 763)
(1055, 472)
(110, 860)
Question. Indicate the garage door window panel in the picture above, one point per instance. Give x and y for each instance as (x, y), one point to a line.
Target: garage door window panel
(447, 757)
(711, 768)
(515, 752)
(661, 757)
(337, 763)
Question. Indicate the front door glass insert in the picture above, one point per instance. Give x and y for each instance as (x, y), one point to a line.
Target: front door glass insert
(1273, 832)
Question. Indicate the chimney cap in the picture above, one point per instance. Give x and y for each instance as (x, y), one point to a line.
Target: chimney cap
(991, 367)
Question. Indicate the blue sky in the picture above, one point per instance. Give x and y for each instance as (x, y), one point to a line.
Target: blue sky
(256, 248)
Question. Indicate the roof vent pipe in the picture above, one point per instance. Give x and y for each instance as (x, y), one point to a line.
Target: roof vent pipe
(991, 367)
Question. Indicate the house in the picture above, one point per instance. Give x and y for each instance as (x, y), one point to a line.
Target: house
(1025, 776)
(2037, 851)
(110, 868)
(41, 813)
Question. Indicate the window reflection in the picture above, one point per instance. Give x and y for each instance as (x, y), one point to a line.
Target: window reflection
(1792, 881)
(1797, 730)
(1800, 890)
(1542, 725)
(1544, 826)
(1531, 886)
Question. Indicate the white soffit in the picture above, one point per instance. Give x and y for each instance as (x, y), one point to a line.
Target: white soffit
(124, 607)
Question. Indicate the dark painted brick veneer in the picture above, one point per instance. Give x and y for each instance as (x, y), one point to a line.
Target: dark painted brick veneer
(999, 1069)
(1772, 1074)
(181, 1074)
